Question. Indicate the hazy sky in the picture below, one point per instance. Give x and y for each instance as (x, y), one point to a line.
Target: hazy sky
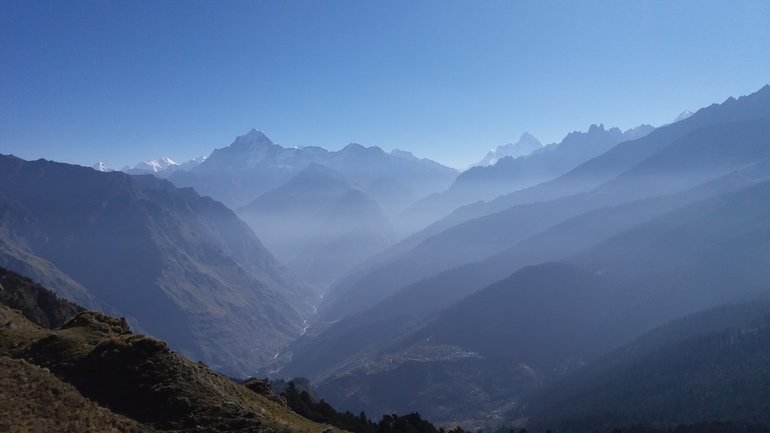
(83, 81)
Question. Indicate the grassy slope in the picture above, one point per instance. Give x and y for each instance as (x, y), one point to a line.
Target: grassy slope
(105, 377)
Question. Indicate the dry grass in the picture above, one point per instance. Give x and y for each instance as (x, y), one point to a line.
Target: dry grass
(33, 400)
(132, 375)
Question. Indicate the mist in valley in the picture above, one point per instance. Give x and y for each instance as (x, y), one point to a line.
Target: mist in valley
(428, 217)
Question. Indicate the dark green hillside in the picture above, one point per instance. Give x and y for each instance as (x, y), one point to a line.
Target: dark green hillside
(709, 366)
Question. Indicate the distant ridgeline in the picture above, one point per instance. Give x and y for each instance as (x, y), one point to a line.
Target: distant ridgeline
(615, 281)
(320, 212)
(538, 308)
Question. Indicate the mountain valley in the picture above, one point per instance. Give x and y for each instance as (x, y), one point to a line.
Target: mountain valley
(614, 280)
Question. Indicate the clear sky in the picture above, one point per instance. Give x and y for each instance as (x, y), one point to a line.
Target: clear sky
(83, 81)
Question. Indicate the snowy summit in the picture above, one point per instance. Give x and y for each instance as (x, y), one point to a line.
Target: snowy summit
(527, 144)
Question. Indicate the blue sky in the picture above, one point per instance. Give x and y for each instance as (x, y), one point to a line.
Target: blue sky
(83, 81)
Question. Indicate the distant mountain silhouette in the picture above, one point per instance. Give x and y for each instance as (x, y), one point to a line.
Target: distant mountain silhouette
(711, 143)
(546, 162)
(101, 166)
(512, 173)
(319, 224)
(342, 343)
(682, 228)
(698, 256)
(393, 196)
(179, 266)
(683, 115)
(153, 166)
(253, 165)
(526, 144)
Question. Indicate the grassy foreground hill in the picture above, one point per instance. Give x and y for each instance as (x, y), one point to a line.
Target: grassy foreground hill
(92, 374)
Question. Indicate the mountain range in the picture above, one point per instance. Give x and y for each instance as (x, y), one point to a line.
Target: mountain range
(614, 280)
(671, 159)
(162, 167)
(253, 165)
(521, 169)
(405, 309)
(659, 227)
(177, 265)
(629, 283)
(272, 188)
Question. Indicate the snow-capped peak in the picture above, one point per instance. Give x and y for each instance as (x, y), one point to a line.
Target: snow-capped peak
(191, 163)
(526, 144)
(683, 115)
(155, 165)
(197, 160)
(252, 139)
(100, 166)
(166, 162)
